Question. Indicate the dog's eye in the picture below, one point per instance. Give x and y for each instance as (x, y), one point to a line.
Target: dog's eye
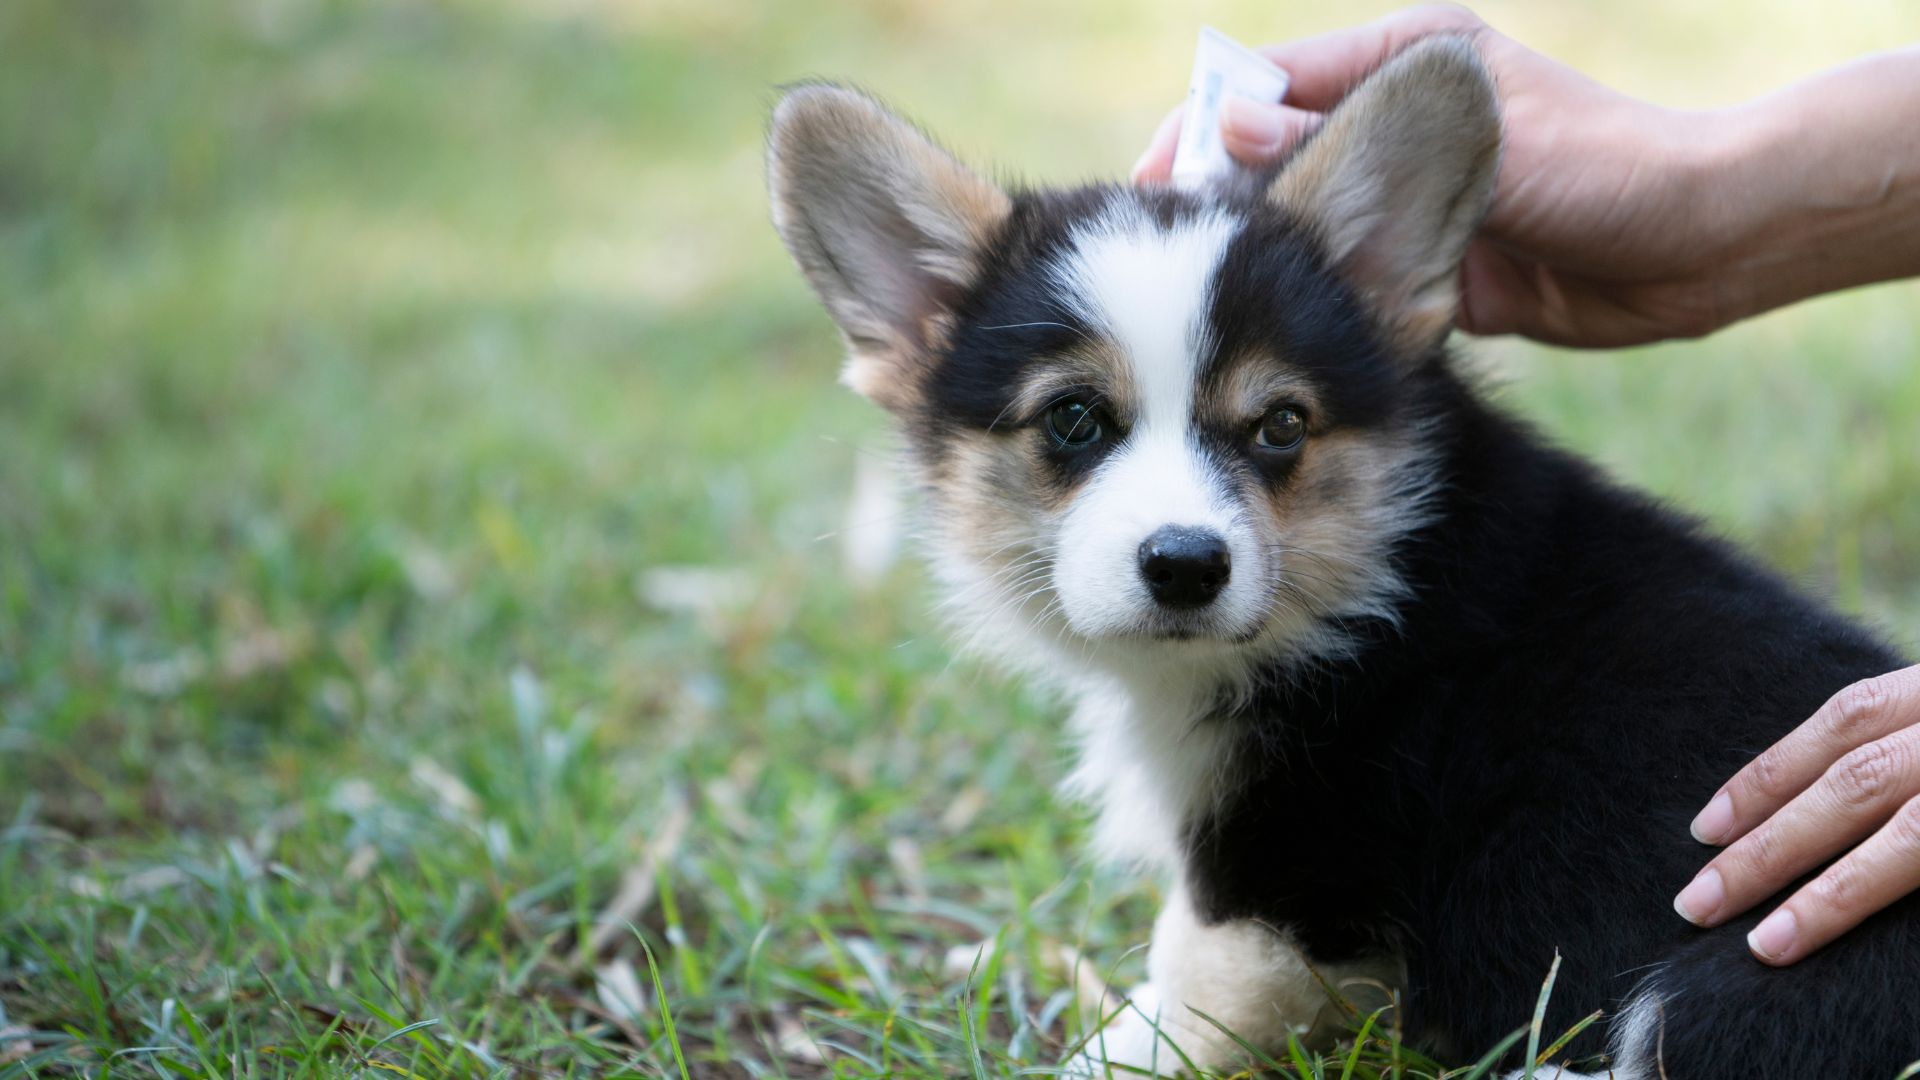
(1076, 424)
(1283, 429)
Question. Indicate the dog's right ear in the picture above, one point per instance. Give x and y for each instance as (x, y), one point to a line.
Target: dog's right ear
(887, 227)
(1397, 180)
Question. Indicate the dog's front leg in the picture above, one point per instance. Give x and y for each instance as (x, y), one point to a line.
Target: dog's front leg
(1249, 977)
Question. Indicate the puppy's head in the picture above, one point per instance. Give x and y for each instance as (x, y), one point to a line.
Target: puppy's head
(1141, 416)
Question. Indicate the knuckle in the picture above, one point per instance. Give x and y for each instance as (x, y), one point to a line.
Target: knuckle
(1864, 776)
(1433, 18)
(1757, 854)
(1861, 704)
(1837, 890)
(1452, 14)
(1769, 774)
(1856, 711)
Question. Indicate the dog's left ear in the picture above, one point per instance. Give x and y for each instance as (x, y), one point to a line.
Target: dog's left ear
(1397, 180)
(887, 227)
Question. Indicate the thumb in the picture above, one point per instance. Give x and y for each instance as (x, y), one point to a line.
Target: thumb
(1256, 133)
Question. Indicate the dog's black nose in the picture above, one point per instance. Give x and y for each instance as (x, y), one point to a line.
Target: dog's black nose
(1185, 567)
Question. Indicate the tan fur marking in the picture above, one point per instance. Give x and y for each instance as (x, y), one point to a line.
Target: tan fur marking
(1338, 514)
(1249, 387)
(1096, 365)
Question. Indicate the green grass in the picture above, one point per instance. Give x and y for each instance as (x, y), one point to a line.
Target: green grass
(361, 365)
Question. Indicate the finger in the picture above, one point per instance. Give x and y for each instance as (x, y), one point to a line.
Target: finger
(1873, 875)
(1492, 286)
(1861, 713)
(1321, 69)
(1156, 164)
(1853, 797)
(1502, 293)
(1256, 133)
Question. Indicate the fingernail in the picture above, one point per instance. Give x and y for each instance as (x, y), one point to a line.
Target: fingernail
(1715, 822)
(1701, 898)
(1774, 936)
(1257, 126)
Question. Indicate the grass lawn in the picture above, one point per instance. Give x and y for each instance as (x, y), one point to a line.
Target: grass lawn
(425, 645)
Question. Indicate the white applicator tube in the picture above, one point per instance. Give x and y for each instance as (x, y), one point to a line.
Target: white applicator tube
(1221, 66)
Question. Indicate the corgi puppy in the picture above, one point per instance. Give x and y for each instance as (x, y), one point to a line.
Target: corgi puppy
(1387, 688)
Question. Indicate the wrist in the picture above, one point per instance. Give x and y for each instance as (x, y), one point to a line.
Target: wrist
(1812, 189)
(1733, 176)
(1738, 198)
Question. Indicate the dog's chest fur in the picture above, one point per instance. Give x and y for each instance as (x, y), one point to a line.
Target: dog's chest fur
(1151, 756)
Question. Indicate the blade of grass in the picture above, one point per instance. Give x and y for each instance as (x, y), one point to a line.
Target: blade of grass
(1569, 1035)
(1159, 1037)
(423, 1045)
(1255, 1052)
(666, 1011)
(409, 1029)
(1097, 1035)
(1360, 1042)
(966, 1020)
(1301, 1065)
(1540, 1016)
(989, 961)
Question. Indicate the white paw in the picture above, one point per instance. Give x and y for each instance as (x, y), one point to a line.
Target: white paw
(1130, 1043)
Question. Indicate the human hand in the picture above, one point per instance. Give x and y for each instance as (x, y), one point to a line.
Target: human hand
(1846, 780)
(1597, 235)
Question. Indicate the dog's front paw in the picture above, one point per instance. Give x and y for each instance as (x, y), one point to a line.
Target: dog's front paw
(1131, 1044)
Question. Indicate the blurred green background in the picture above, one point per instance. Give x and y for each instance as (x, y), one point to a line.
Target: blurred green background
(421, 473)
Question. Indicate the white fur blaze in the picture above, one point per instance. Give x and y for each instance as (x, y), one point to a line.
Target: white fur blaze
(1147, 289)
